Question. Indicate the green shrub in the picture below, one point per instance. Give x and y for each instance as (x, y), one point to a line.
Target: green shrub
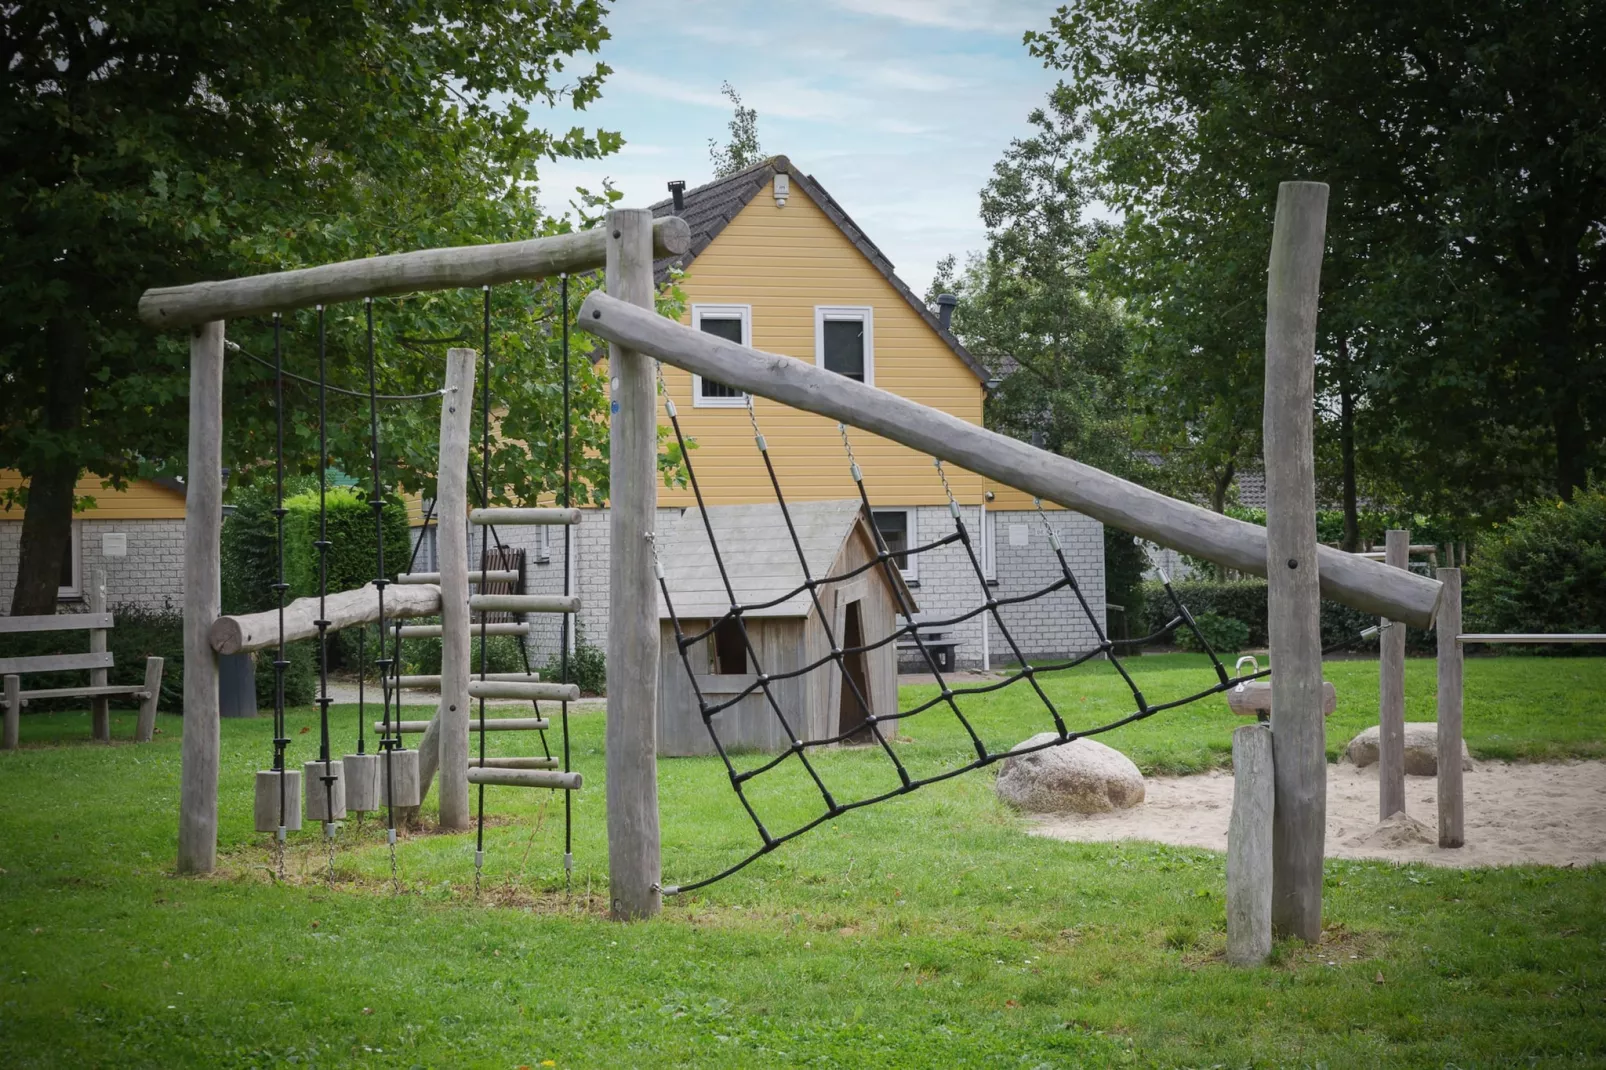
(1226, 635)
(1124, 565)
(588, 667)
(503, 654)
(351, 561)
(1245, 601)
(300, 677)
(1544, 570)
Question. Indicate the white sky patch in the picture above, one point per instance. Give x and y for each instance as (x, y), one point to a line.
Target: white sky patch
(899, 107)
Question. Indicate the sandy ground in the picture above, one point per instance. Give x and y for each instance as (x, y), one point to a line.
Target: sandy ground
(1545, 814)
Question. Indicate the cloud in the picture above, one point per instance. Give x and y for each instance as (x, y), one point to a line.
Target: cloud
(915, 79)
(996, 16)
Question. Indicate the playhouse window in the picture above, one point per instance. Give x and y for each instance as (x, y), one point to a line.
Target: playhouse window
(730, 649)
(732, 323)
(844, 341)
(897, 531)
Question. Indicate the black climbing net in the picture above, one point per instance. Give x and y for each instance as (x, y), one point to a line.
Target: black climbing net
(1026, 675)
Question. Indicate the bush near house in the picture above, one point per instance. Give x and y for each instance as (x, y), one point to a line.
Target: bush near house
(1245, 601)
(1544, 570)
(1226, 635)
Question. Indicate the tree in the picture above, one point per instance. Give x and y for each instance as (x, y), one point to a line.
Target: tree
(1464, 287)
(743, 151)
(176, 140)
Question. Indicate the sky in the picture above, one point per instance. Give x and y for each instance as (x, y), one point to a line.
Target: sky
(899, 108)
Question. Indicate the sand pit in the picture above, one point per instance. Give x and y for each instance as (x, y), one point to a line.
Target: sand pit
(1541, 814)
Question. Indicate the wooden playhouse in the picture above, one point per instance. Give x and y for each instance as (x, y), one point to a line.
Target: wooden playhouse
(762, 563)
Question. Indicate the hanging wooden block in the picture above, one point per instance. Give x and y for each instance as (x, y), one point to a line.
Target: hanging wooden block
(362, 772)
(268, 800)
(326, 801)
(403, 776)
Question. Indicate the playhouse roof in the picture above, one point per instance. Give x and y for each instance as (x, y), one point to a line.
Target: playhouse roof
(758, 555)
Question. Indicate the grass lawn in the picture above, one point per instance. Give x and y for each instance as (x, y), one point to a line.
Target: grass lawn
(930, 931)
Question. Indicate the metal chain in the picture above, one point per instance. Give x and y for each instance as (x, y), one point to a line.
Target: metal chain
(1053, 539)
(395, 876)
(278, 852)
(847, 447)
(942, 473)
(329, 832)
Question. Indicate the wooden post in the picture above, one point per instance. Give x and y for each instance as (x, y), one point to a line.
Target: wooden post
(1299, 744)
(451, 503)
(1249, 847)
(13, 712)
(1452, 811)
(634, 865)
(146, 728)
(100, 713)
(203, 529)
(1391, 693)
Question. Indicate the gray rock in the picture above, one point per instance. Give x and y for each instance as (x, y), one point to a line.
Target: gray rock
(1421, 749)
(1082, 777)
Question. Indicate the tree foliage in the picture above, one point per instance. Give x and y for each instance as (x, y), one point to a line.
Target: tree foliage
(166, 142)
(743, 149)
(1464, 285)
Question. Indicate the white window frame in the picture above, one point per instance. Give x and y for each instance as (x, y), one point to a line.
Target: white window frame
(720, 312)
(850, 313)
(75, 552)
(911, 574)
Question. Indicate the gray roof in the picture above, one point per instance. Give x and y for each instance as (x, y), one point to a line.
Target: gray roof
(758, 554)
(709, 208)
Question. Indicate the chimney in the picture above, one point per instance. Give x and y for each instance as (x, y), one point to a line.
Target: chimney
(945, 309)
(677, 190)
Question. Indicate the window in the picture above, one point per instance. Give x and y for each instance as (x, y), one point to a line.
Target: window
(71, 586)
(897, 528)
(730, 648)
(844, 341)
(734, 324)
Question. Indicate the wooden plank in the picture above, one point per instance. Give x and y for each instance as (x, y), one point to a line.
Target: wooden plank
(1299, 746)
(203, 529)
(634, 862)
(56, 662)
(343, 609)
(1249, 835)
(98, 691)
(1536, 638)
(55, 622)
(1391, 696)
(378, 276)
(100, 714)
(526, 603)
(1253, 698)
(492, 724)
(145, 729)
(475, 575)
(451, 497)
(1353, 581)
(12, 712)
(433, 631)
(526, 778)
(511, 517)
(1452, 801)
(532, 691)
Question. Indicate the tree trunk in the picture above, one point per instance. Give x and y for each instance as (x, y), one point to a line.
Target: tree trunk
(47, 524)
(1346, 447)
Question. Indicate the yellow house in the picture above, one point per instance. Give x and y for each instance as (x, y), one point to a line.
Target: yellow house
(776, 263)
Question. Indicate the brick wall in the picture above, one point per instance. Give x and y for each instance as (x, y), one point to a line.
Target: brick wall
(150, 576)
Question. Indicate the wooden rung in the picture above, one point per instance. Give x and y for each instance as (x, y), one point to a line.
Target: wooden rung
(133, 690)
(525, 778)
(55, 622)
(514, 763)
(522, 603)
(524, 516)
(535, 692)
(494, 575)
(1253, 698)
(56, 662)
(492, 724)
(433, 631)
(435, 681)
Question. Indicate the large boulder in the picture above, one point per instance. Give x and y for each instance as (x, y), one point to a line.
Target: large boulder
(1421, 749)
(1082, 777)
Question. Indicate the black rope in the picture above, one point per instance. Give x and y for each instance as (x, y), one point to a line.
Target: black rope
(387, 743)
(485, 502)
(367, 394)
(322, 622)
(564, 626)
(280, 663)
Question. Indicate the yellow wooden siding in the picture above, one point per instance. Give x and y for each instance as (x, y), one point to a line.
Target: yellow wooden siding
(141, 500)
(783, 262)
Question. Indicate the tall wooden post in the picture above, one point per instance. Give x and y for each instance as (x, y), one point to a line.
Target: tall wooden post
(1249, 847)
(451, 506)
(203, 531)
(1452, 813)
(1391, 694)
(632, 730)
(1299, 749)
(100, 713)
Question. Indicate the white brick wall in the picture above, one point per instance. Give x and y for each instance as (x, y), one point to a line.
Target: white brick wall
(151, 575)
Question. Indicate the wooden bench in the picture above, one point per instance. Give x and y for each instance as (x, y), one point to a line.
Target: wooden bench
(937, 642)
(97, 622)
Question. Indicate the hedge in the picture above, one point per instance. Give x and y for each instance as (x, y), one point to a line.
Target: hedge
(1544, 570)
(351, 559)
(1245, 601)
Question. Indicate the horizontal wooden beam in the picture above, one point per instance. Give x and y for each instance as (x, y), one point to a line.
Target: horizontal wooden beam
(433, 631)
(434, 681)
(57, 662)
(492, 724)
(1369, 586)
(258, 631)
(521, 603)
(381, 276)
(525, 778)
(1533, 638)
(513, 516)
(534, 692)
(55, 622)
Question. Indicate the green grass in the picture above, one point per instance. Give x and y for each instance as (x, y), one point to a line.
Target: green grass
(930, 931)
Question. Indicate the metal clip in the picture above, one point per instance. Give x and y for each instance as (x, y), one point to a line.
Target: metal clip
(1253, 665)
